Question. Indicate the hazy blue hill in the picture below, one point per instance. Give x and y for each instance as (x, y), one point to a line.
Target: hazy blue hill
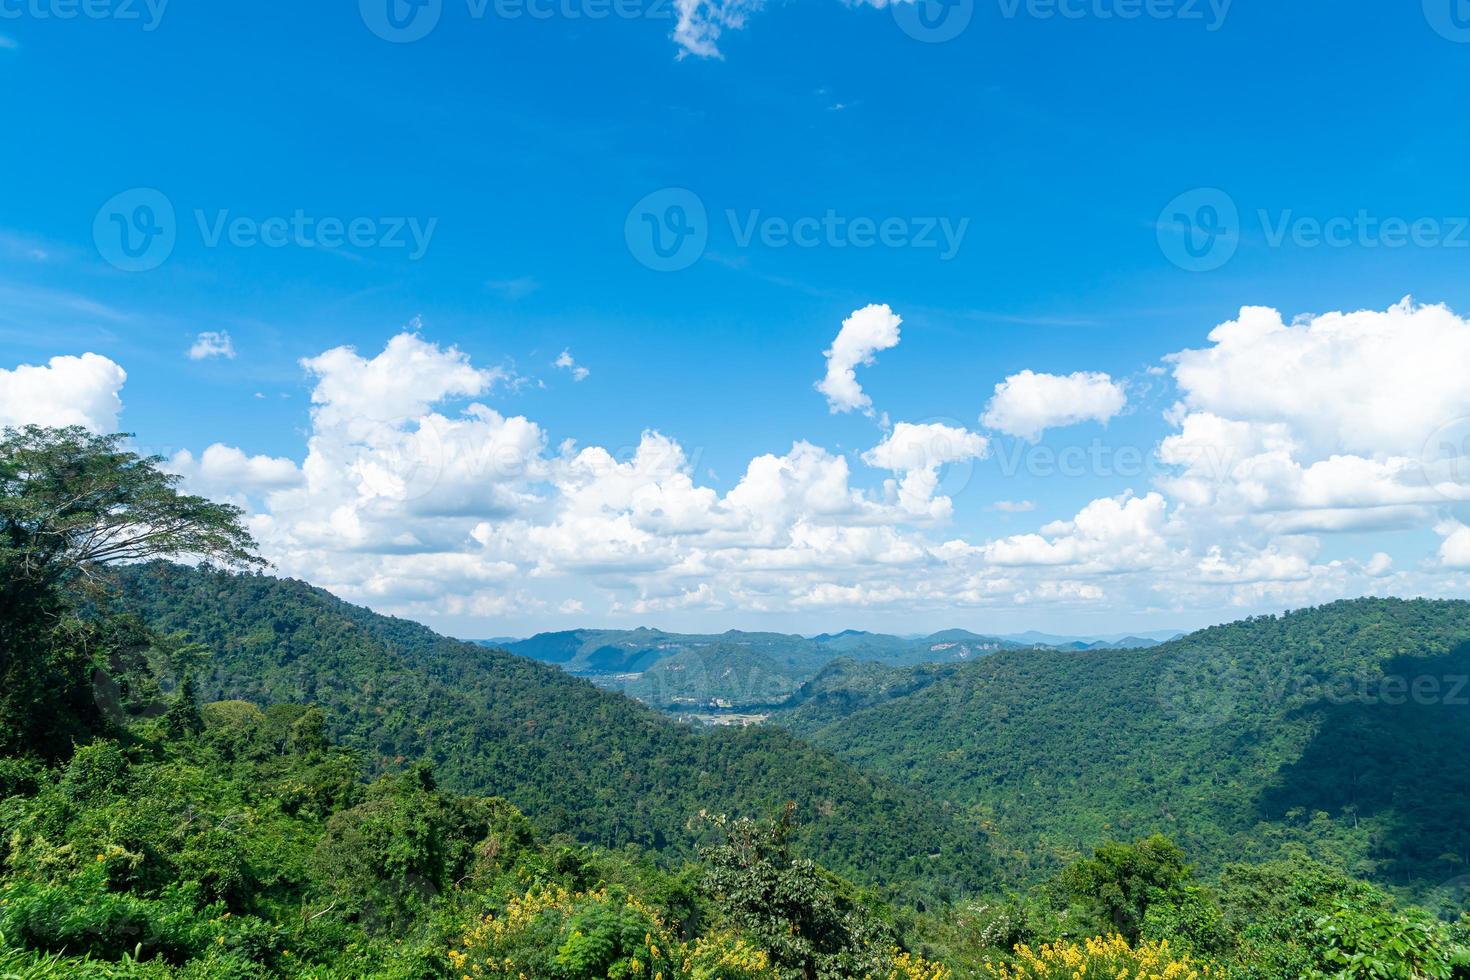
(734, 669)
(1105, 641)
(718, 676)
(1242, 741)
(581, 760)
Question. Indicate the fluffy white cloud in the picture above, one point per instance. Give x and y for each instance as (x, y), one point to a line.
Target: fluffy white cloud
(1027, 404)
(917, 452)
(401, 382)
(1345, 421)
(1287, 560)
(212, 343)
(1374, 384)
(1124, 533)
(65, 391)
(223, 471)
(868, 331)
(1454, 550)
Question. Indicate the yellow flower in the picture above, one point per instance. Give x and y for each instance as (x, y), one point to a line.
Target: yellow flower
(1108, 956)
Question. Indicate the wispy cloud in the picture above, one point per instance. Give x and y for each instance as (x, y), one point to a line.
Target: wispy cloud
(28, 248)
(212, 343)
(566, 362)
(18, 298)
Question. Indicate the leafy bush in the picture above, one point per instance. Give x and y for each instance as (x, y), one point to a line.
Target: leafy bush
(1358, 944)
(82, 916)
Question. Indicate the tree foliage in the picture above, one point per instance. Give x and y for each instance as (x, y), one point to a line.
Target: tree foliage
(71, 503)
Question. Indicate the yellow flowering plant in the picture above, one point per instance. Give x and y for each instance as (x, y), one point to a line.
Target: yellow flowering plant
(1106, 957)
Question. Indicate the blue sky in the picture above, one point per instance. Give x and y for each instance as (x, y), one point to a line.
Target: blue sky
(520, 147)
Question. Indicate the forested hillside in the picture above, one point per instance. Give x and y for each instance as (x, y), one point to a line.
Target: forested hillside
(1344, 730)
(578, 759)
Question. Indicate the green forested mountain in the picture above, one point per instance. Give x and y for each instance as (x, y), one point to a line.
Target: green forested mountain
(578, 759)
(1342, 730)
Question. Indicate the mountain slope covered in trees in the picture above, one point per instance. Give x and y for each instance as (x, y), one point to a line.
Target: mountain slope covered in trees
(580, 760)
(1342, 730)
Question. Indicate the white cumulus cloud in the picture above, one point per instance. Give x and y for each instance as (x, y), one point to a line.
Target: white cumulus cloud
(1027, 404)
(868, 331)
(225, 471)
(66, 390)
(1343, 421)
(917, 451)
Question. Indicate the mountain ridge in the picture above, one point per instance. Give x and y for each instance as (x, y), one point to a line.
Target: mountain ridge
(589, 763)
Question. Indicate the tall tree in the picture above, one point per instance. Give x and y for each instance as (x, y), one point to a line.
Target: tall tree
(71, 503)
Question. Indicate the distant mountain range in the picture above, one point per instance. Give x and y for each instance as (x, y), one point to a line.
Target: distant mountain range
(1106, 641)
(745, 671)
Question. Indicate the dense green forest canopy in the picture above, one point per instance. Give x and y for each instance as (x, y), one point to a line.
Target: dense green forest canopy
(1343, 730)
